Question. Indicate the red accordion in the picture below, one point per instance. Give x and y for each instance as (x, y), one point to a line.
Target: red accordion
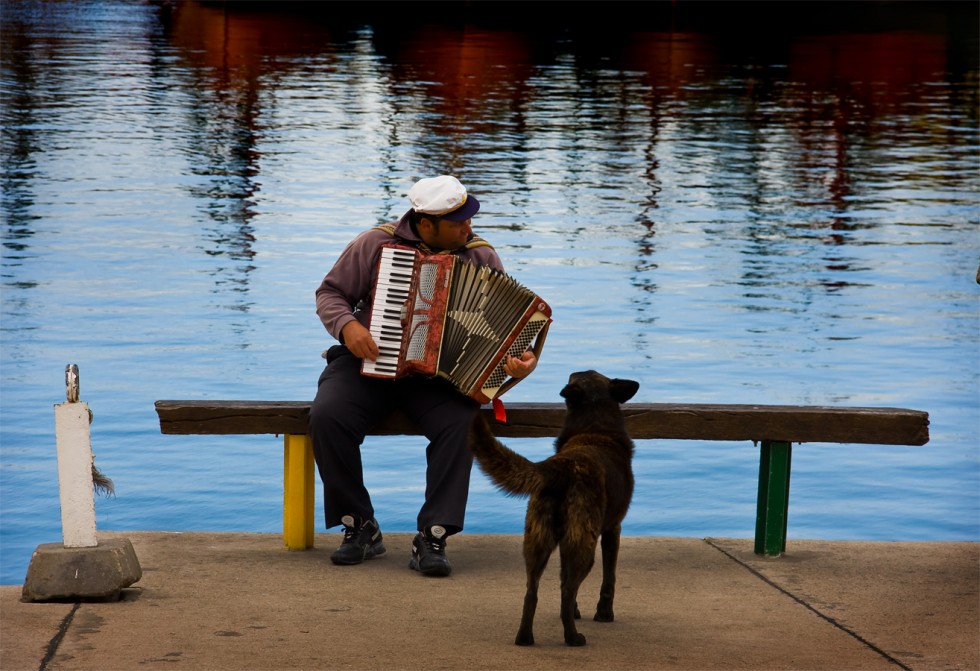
(438, 315)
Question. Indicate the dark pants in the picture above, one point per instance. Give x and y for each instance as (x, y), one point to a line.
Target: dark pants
(347, 405)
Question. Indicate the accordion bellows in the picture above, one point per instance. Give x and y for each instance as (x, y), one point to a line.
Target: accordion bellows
(438, 315)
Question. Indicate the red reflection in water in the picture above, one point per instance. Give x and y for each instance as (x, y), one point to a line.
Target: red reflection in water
(898, 59)
(460, 63)
(244, 42)
(670, 60)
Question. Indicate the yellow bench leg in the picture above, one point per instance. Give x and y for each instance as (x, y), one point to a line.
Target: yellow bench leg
(297, 509)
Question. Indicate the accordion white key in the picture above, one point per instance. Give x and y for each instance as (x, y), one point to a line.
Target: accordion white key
(438, 315)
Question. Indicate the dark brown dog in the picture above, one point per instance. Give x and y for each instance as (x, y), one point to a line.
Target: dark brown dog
(577, 495)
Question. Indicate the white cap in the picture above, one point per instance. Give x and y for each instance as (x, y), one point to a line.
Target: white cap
(443, 196)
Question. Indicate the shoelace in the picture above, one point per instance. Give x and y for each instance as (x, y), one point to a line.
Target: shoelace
(434, 544)
(349, 533)
(353, 534)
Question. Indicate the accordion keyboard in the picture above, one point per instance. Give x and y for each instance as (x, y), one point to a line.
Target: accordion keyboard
(391, 292)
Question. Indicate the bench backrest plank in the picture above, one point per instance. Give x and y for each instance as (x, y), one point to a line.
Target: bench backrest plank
(791, 424)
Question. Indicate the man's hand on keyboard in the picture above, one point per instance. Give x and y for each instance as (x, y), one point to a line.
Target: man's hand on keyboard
(359, 341)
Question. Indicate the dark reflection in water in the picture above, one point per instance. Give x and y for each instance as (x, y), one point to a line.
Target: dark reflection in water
(223, 58)
(764, 202)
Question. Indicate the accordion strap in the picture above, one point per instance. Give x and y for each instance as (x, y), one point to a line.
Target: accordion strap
(475, 241)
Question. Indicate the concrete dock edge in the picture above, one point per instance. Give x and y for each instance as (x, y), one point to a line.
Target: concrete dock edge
(241, 601)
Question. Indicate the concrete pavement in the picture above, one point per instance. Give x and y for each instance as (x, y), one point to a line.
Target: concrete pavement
(217, 601)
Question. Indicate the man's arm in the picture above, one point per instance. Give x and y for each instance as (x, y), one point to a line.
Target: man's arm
(347, 283)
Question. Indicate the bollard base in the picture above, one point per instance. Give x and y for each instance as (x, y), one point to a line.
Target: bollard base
(57, 572)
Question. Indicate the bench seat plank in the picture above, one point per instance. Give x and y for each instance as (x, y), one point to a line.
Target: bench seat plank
(792, 424)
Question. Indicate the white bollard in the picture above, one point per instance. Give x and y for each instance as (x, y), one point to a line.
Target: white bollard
(75, 467)
(80, 567)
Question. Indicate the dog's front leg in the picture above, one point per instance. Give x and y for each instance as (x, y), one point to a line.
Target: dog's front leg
(610, 556)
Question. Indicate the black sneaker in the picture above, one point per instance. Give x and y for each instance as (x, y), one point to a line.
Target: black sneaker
(429, 552)
(362, 540)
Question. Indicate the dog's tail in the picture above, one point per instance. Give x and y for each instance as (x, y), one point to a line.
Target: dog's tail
(510, 472)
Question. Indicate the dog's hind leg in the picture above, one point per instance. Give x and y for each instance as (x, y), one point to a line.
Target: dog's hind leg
(610, 556)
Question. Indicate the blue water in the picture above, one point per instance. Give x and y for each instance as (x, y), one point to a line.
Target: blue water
(790, 218)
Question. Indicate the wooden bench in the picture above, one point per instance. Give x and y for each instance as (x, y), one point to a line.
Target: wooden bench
(774, 427)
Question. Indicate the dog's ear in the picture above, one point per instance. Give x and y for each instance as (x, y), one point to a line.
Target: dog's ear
(622, 390)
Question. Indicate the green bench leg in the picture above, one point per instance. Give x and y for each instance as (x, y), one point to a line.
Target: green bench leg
(773, 501)
(298, 492)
